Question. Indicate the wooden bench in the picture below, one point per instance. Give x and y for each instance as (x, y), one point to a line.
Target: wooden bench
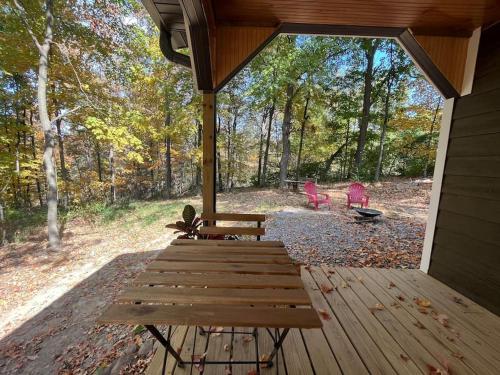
(236, 231)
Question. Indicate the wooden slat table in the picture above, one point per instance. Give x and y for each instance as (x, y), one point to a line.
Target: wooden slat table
(218, 284)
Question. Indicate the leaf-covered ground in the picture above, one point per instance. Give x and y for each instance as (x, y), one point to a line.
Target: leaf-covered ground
(49, 301)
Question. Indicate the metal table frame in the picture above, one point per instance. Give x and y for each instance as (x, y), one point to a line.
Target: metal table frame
(277, 338)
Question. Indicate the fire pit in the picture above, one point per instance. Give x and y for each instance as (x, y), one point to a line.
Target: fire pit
(368, 212)
(367, 215)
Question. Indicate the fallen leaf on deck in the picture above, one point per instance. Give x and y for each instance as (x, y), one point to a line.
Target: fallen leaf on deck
(422, 302)
(391, 285)
(419, 325)
(264, 358)
(326, 288)
(201, 361)
(324, 314)
(378, 306)
(401, 297)
(457, 355)
(216, 331)
(247, 338)
(344, 284)
(460, 301)
(423, 310)
(437, 371)
(404, 358)
(443, 319)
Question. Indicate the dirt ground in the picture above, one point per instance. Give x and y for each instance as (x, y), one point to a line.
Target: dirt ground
(49, 301)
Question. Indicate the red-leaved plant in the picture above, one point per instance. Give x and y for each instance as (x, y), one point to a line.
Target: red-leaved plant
(189, 227)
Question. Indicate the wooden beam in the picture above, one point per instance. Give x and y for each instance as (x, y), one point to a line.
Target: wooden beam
(197, 31)
(209, 145)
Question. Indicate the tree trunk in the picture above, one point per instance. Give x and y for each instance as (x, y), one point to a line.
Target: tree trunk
(228, 156)
(99, 161)
(219, 161)
(346, 152)
(112, 174)
(168, 160)
(285, 134)
(64, 172)
(268, 141)
(3, 229)
(429, 141)
(49, 136)
(301, 141)
(261, 146)
(329, 161)
(371, 48)
(37, 180)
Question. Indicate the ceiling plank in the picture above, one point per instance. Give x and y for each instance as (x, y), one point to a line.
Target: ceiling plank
(449, 54)
(236, 46)
(427, 65)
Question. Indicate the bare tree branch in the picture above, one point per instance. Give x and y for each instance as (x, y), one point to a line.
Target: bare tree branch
(65, 114)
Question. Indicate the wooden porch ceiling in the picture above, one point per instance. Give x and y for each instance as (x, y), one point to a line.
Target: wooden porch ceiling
(371, 325)
(223, 35)
(429, 17)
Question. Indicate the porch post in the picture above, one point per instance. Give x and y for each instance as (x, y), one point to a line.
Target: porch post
(209, 144)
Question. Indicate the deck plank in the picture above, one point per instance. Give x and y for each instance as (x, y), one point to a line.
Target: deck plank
(486, 322)
(217, 352)
(320, 353)
(243, 350)
(297, 360)
(421, 345)
(388, 345)
(344, 351)
(456, 332)
(433, 337)
(371, 354)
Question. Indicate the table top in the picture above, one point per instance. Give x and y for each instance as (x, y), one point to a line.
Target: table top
(217, 283)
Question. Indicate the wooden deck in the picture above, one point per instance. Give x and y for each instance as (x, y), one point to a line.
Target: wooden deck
(372, 324)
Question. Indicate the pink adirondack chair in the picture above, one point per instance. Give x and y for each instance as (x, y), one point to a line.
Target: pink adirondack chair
(356, 194)
(314, 197)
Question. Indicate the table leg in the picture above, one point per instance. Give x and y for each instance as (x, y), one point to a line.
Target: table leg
(166, 344)
(277, 345)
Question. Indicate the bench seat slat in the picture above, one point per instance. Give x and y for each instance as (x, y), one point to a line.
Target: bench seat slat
(266, 243)
(237, 231)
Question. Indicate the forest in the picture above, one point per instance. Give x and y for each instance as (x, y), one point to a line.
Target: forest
(91, 111)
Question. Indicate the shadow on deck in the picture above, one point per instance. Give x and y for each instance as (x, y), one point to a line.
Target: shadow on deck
(374, 322)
